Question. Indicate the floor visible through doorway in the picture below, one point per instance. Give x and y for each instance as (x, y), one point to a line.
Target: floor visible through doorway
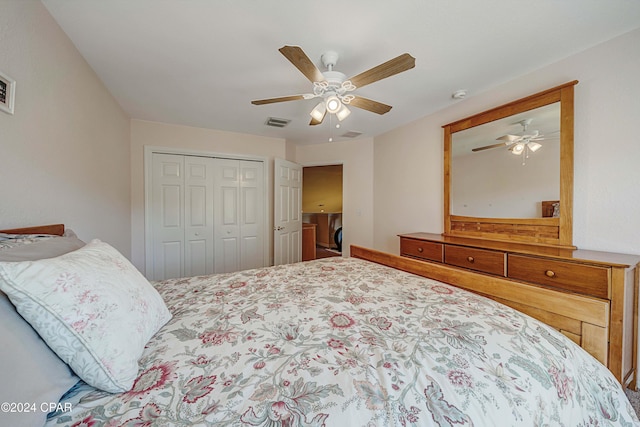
(322, 252)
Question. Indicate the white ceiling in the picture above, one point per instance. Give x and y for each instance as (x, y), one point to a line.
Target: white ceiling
(201, 62)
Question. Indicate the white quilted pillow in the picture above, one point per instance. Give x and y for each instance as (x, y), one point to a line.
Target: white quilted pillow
(92, 307)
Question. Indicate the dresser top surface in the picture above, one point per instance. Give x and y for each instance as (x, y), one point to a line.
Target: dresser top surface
(606, 258)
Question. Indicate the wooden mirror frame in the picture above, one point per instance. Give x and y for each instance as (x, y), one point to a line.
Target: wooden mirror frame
(557, 232)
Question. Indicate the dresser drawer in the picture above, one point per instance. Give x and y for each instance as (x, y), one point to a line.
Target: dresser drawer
(483, 260)
(421, 249)
(571, 276)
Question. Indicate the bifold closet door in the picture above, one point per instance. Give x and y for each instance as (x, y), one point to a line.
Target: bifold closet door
(239, 212)
(182, 216)
(199, 223)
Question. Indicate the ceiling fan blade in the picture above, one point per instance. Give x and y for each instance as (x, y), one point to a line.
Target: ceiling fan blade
(486, 147)
(509, 138)
(301, 61)
(390, 68)
(369, 105)
(280, 99)
(314, 122)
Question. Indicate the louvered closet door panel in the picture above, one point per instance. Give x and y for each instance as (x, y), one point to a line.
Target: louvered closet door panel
(199, 247)
(251, 214)
(227, 215)
(167, 216)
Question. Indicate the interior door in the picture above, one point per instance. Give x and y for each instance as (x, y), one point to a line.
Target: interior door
(252, 212)
(204, 215)
(287, 216)
(227, 216)
(198, 205)
(239, 215)
(167, 201)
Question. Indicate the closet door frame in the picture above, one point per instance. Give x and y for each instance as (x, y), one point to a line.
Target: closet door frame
(149, 150)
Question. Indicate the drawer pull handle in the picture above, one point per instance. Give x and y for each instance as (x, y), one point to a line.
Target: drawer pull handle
(549, 273)
(470, 259)
(420, 250)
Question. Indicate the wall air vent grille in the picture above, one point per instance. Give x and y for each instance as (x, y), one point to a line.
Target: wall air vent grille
(276, 122)
(352, 134)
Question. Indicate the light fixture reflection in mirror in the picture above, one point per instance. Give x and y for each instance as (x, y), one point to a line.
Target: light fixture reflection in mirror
(488, 179)
(524, 148)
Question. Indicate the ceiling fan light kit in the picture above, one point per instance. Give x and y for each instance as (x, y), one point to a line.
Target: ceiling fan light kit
(534, 146)
(333, 104)
(334, 87)
(517, 149)
(343, 113)
(319, 111)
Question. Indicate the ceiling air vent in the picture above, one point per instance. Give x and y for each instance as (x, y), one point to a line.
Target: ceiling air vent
(276, 122)
(351, 134)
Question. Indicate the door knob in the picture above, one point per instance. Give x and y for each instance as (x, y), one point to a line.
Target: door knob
(278, 228)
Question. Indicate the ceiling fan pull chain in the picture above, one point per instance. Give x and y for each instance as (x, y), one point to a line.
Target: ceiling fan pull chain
(330, 130)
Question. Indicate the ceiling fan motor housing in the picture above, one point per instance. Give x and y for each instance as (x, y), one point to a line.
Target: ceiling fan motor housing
(329, 59)
(334, 78)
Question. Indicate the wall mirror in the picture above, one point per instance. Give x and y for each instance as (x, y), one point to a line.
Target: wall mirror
(509, 171)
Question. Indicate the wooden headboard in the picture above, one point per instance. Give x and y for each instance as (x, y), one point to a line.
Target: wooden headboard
(57, 229)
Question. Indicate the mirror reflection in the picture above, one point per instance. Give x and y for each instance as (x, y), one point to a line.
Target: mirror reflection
(507, 168)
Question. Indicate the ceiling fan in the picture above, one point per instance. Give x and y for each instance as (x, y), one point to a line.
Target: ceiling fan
(333, 86)
(517, 143)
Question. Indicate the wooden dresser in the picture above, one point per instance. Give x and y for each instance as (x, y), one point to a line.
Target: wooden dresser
(591, 297)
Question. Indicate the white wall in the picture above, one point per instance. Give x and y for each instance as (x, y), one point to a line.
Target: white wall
(494, 183)
(408, 161)
(357, 188)
(191, 139)
(66, 154)
(65, 151)
(407, 182)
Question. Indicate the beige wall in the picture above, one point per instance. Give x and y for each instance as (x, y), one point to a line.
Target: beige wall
(408, 160)
(357, 189)
(65, 151)
(322, 189)
(407, 182)
(144, 133)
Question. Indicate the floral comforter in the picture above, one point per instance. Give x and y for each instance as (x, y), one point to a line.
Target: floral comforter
(345, 342)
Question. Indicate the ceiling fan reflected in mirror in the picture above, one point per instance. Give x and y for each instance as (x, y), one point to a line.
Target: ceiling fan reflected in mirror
(522, 143)
(335, 88)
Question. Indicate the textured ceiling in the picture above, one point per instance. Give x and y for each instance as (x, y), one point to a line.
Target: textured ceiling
(201, 62)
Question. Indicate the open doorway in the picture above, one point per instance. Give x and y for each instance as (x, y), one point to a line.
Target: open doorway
(321, 211)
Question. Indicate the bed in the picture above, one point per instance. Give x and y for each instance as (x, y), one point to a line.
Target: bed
(333, 342)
